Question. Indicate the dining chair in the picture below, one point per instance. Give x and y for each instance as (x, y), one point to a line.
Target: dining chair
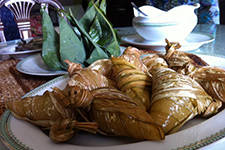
(53, 3)
(22, 9)
(2, 35)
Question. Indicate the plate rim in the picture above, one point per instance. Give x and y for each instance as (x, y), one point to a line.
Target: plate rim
(22, 52)
(8, 135)
(12, 142)
(160, 44)
(15, 42)
(20, 63)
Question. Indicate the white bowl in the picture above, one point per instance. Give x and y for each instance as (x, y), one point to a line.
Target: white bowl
(174, 24)
(153, 31)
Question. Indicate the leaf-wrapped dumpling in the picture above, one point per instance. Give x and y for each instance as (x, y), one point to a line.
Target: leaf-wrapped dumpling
(177, 98)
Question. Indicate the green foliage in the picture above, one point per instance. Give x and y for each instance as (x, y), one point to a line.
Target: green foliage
(84, 41)
(71, 47)
(50, 44)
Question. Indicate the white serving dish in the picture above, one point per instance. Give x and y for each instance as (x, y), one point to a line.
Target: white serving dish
(175, 24)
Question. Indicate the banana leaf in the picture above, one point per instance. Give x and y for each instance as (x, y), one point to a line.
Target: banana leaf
(91, 25)
(99, 28)
(91, 39)
(95, 30)
(50, 46)
(98, 52)
(71, 47)
(108, 39)
(89, 16)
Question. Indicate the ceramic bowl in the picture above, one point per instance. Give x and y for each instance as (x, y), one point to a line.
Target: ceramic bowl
(174, 24)
(153, 31)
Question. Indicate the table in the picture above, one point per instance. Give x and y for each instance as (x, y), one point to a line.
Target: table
(215, 48)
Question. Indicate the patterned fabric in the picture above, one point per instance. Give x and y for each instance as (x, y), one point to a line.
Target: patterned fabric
(36, 25)
(10, 27)
(207, 13)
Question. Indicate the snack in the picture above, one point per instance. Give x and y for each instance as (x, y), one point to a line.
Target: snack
(34, 44)
(128, 96)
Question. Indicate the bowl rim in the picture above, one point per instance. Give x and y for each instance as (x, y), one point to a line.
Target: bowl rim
(154, 24)
(145, 22)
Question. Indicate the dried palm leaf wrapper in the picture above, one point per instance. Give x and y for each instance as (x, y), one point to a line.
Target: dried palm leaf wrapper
(177, 98)
(48, 112)
(133, 56)
(182, 62)
(117, 114)
(89, 79)
(154, 61)
(212, 79)
(42, 110)
(103, 66)
(132, 77)
(81, 83)
(132, 80)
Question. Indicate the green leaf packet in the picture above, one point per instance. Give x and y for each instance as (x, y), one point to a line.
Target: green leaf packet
(93, 38)
(71, 47)
(50, 45)
(108, 39)
(100, 29)
(97, 52)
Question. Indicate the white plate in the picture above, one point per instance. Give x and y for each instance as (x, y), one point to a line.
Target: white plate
(34, 65)
(19, 134)
(192, 42)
